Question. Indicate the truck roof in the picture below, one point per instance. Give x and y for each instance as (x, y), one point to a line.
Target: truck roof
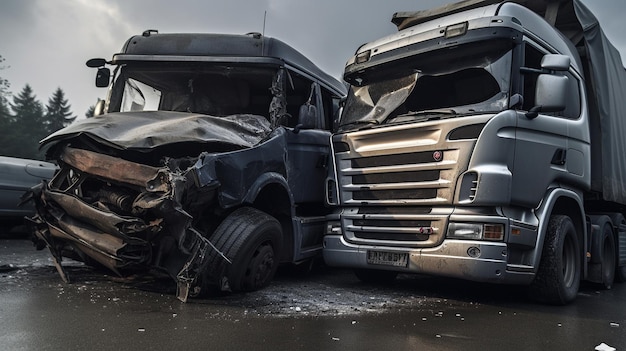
(424, 25)
(251, 47)
(559, 13)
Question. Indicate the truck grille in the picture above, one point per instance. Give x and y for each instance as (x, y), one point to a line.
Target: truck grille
(401, 226)
(412, 178)
(397, 184)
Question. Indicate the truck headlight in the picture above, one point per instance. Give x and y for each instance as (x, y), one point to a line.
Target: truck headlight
(476, 231)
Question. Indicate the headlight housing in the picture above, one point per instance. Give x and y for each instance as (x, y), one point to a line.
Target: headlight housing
(476, 231)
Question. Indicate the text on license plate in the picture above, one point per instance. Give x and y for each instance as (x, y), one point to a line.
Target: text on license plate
(396, 259)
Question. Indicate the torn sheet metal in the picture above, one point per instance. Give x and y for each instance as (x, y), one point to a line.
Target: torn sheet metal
(127, 215)
(151, 129)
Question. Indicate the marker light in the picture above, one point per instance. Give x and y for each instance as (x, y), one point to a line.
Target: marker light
(456, 30)
(363, 57)
(493, 232)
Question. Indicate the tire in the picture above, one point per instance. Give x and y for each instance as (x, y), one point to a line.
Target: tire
(558, 278)
(375, 276)
(251, 240)
(620, 272)
(608, 257)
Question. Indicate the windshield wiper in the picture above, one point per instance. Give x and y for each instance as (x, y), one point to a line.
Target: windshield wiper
(368, 123)
(428, 115)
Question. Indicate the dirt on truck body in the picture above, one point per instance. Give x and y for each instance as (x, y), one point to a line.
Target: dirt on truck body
(206, 161)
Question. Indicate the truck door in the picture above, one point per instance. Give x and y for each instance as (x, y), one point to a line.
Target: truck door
(308, 143)
(308, 148)
(545, 151)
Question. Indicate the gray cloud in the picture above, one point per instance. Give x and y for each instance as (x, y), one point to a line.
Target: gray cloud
(46, 43)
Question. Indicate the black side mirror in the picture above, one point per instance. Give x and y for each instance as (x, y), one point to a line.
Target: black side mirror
(102, 77)
(96, 62)
(307, 116)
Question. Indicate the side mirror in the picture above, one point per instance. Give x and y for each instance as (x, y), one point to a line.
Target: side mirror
(96, 62)
(307, 116)
(102, 77)
(555, 62)
(550, 94)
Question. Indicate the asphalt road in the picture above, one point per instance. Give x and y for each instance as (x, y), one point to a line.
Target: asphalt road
(326, 309)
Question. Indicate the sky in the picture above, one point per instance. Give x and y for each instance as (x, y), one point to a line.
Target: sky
(45, 43)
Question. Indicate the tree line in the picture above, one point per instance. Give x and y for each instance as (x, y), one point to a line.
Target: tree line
(24, 120)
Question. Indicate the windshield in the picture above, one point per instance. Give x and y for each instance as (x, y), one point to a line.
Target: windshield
(212, 90)
(466, 79)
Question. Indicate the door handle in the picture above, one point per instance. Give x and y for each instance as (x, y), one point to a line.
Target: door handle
(559, 158)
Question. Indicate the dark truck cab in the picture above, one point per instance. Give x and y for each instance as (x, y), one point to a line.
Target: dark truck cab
(206, 160)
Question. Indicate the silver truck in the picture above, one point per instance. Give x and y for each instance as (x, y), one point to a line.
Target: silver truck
(206, 161)
(484, 141)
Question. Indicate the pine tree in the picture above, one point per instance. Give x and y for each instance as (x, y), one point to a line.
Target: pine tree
(4, 84)
(5, 115)
(28, 126)
(5, 127)
(90, 111)
(58, 114)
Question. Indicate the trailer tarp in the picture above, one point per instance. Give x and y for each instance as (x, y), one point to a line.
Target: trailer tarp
(608, 79)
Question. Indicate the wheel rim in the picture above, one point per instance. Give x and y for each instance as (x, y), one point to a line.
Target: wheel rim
(261, 266)
(569, 261)
(608, 261)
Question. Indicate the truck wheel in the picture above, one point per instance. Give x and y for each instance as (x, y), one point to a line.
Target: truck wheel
(375, 276)
(558, 277)
(251, 240)
(620, 272)
(608, 256)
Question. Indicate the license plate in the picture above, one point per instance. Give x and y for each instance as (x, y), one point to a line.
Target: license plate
(384, 258)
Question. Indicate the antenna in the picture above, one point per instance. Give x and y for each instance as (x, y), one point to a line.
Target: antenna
(263, 34)
(264, 18)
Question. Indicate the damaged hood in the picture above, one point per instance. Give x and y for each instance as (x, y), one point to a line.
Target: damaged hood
(150, 129)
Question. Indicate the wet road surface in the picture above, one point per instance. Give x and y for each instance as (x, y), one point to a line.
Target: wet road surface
(325, 310)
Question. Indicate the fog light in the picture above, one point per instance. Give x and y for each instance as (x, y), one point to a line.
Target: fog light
(473, 252)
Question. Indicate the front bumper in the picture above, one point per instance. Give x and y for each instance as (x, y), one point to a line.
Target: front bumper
(123, 215)
(450, 259)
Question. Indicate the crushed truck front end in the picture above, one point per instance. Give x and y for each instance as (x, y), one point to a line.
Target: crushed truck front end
(197, 164)
(133, 211)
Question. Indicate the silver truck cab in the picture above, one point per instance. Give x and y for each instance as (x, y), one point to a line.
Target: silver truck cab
(464, 139)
